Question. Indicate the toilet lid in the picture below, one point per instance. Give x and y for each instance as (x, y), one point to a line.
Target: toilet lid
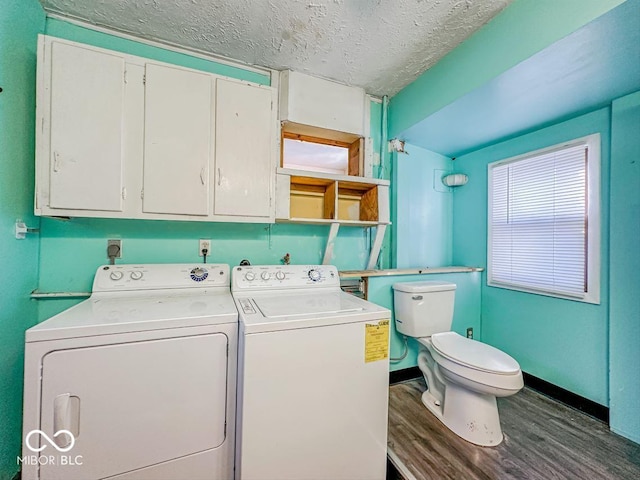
(474, 354)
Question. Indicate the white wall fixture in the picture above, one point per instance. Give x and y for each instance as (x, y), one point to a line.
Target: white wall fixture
(22, 230)
(396, 145)
(455, 179)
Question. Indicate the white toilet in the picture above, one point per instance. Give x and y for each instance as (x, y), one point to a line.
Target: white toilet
(463, 376)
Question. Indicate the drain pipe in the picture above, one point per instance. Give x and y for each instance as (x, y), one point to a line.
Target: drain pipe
(405, 351)
(384, 134)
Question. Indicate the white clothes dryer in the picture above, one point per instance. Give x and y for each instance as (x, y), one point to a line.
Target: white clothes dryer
(140, 379)
(313, 377)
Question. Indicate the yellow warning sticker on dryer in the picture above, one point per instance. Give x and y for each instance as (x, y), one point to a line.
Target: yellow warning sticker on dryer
(376, 341)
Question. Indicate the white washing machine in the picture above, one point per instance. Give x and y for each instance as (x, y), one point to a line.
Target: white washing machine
(141, 377)
(313, 377)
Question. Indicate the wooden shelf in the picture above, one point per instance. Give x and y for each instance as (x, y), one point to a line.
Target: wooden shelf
(334, 200)
(358, 201)
(331, 176)
(312, 198)
(323, 221)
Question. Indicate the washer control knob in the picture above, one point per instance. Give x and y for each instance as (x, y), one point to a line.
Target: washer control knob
(265, 275)
(280, 275)
(136, 275)
(314, 275)
(250, 276)
(115, 275)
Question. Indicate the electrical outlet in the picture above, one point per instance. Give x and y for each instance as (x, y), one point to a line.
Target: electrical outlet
(114, 248)
(469, 332)
(204, 244)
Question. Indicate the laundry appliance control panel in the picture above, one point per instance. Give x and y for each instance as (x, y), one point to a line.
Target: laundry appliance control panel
(276, 277)
(113, 278)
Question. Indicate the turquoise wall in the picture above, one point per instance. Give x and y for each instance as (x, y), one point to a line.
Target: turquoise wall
(422, 209)
(561, 341)
(586, 349)
(20, 22)
(624, 306)
(71, 251)
(520, 30)
(466, 308)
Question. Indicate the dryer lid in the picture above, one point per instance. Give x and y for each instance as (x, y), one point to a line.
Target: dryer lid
(474, 354)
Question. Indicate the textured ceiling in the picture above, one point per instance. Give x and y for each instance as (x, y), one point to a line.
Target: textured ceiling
(379, 45)
(579, 73)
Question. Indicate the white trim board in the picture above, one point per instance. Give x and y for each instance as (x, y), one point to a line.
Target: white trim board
(173, 47)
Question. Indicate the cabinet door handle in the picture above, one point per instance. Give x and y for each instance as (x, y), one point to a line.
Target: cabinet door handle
(202, 179)
(219, 177)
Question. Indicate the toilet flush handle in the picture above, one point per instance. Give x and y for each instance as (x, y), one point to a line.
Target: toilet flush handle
(416, 297)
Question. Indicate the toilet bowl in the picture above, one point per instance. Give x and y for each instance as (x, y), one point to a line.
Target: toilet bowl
(466, 377)
(463, 376)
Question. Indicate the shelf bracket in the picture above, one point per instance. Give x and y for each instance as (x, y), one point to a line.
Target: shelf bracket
(377, 245)
(328, 251)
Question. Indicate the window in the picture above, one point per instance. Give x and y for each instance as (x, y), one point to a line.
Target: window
(315, 157)
(320, 150)
(544, 221)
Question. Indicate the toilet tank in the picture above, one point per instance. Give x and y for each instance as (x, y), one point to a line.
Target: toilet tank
(423, 308)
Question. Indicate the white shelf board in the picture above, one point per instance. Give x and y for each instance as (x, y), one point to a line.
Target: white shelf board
(330, 176)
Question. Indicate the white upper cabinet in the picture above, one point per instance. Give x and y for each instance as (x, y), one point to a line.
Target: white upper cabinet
(321, 103)
(121, 136)
(244, 148)
(177, 141)
(81, 136)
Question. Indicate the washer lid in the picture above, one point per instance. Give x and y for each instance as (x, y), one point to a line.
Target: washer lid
(315, 303)
(474, 354)
(423, 287)
(280, 311)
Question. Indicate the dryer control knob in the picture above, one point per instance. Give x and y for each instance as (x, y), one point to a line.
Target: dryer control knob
(280, 275)
(265, 275)
(199, 274)
(250, 276)
(136, 275)
(314, 275)
(115, 275)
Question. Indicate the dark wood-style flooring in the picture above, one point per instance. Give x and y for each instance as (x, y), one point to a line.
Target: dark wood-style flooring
(543, 439)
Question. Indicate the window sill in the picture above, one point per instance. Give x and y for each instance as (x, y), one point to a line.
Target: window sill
(591, 298)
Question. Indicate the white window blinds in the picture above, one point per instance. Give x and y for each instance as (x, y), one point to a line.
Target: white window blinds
(538, 222)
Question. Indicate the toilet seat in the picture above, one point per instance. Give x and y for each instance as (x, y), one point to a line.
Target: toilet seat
(507, 381)
(474, 354)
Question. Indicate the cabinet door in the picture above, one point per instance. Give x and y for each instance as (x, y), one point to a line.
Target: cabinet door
(177, 141)
(244, 172)
(86, 124)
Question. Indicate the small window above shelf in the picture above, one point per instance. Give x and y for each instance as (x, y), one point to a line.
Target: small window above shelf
(318, 150)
